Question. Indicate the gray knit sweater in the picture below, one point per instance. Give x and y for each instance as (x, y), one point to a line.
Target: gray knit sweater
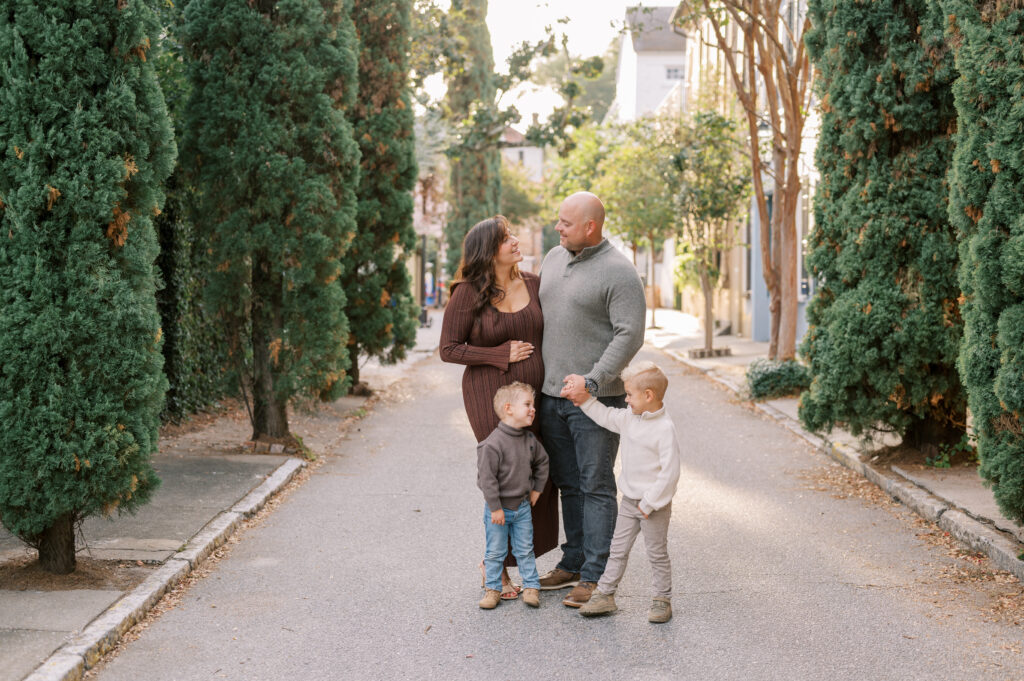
(510, 463)
(594, 316)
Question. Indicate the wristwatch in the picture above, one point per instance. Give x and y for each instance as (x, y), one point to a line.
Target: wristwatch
(590, 385)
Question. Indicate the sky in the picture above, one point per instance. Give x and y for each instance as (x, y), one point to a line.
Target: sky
(590, 28)
(593, 24)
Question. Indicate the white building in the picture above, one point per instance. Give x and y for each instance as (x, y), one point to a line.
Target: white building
(518, 151)
(651, 70)
(652, 60)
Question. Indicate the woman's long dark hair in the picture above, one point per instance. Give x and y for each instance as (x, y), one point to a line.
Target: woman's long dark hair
(477, 265)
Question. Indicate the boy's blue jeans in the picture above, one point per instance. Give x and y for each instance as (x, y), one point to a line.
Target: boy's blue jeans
(519, 528)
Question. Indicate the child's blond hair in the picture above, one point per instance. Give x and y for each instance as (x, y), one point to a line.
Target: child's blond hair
(646, 376)
(506, 393)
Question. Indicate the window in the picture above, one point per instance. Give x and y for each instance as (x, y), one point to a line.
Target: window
(674, 73)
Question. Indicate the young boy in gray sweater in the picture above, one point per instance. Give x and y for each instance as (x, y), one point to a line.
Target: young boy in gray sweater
(512, 468)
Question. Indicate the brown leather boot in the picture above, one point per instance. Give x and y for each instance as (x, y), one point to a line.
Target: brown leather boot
(491, 599)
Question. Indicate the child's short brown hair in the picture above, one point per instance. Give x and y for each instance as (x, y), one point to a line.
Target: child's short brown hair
(506, 393)
(646, 376)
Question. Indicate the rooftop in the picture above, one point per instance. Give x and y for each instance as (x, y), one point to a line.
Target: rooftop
(650, 30)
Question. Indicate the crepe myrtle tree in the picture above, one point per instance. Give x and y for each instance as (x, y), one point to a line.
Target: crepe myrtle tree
(711, 193)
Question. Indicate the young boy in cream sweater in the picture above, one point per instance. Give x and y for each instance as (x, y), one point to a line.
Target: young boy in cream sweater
(650, 455)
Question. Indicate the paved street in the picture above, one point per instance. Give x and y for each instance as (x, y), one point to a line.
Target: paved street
(368, 571)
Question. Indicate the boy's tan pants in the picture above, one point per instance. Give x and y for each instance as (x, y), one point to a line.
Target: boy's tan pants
(628, 524)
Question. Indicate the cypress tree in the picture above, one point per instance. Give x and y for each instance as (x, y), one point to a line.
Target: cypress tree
(85, 141)
(885, 322)
(194, 351)
(382, 311)
(272, 155)
(987, 181)
(475, 177)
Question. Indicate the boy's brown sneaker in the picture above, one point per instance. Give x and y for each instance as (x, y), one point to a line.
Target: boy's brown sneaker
(580, 594)
(531, 597)
(559, 579)
(660, 612)
(491, 599)
(599, 604)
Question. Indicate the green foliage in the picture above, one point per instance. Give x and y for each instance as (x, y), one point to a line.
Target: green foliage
(769, 378)
(85, 141)
(193, 348)
(885, 322)
(381, 309)
(712, 190)
(578, 170)
(195, 355)
(589, 80)
(636, 181)
(275, 168)
(987, 181)
(521, 197)
(475, 180)
(966, 448)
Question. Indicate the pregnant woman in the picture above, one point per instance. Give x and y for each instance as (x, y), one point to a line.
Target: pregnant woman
(493, 325)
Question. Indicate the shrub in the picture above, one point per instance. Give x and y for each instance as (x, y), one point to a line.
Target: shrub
(769, 378)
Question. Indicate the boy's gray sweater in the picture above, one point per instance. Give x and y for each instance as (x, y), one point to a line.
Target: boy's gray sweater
(594, 316)
(510, 462)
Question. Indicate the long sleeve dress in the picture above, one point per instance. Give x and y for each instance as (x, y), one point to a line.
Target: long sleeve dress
(483, 344)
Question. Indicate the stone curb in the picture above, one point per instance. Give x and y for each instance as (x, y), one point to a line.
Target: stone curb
(1001, 549)
(85, 649)
(257, 499)
(209, 538)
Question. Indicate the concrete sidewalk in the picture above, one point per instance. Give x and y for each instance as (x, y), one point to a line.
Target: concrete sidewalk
(955, 498)
(210, 484)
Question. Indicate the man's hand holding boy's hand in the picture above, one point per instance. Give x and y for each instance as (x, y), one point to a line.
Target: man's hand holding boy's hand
(498, 517)
(574, 388)
(534, 496)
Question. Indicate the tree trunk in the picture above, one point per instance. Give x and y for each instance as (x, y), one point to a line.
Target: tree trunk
(353, 370)
(650, 281)
(270, 417)
(57, 546)
(927, 435)
(709, 322)
(788, 260)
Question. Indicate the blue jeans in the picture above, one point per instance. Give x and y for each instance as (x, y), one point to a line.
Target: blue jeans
(582, 456)
(519, 528)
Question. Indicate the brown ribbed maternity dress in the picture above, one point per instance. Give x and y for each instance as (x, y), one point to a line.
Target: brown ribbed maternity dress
(483, 345)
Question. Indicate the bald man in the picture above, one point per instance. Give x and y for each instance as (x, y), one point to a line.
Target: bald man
(594, 313)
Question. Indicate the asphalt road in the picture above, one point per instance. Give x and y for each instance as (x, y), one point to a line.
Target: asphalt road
(368, 571)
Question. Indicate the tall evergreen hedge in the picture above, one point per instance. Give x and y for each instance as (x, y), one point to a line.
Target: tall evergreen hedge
(381, 309)
(275, 167)
(474, 185)
(194, 351)
(885, 323)
(986, 207)
(85, 142)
